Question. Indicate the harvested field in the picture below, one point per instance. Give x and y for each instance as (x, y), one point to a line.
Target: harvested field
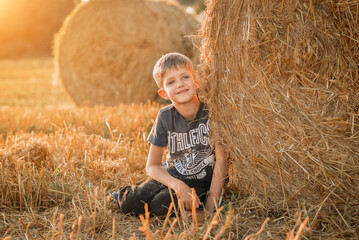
(281, 81)
(58, 162)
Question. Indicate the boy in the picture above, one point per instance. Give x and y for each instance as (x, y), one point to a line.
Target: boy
(183, 127)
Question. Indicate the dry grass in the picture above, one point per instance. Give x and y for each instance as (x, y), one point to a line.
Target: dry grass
(58, 163)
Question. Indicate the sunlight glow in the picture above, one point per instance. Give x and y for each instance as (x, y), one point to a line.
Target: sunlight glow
(189, 10)
(2, 2)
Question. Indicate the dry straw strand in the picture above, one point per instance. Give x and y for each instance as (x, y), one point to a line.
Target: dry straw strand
(213, 223)
(60, 226)
(53, 225)
(166, 219)
(227, 225)
(146, 223)
(78, 227)
(73, 229)
(26, 228)
(194, 213)
(168, 234)
(93, 216)
(7, 231)
(301, 227)
(254, 235)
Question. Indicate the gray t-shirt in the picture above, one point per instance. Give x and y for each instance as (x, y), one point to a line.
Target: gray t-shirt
(189, 150)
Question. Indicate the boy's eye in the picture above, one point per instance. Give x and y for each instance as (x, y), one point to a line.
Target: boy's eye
(185, 76)
(170, 82)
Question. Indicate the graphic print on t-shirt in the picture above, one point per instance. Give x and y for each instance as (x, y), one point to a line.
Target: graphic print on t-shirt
(191, 152)
(193, 163)
(187, 140)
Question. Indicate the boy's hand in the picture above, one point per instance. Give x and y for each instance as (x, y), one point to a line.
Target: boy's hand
(210, 204)
(200, 215)
(185, 193)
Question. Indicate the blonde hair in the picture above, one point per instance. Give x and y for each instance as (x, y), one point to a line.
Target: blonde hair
(170, 61)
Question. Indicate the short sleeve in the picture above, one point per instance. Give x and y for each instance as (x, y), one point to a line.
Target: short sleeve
(158, 134)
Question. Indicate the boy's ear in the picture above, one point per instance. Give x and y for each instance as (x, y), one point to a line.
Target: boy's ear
(163, 94)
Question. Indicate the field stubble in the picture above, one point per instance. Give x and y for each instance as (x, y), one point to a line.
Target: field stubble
(59, 162)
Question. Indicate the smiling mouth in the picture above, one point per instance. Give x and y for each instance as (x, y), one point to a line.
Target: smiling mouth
(182, 91)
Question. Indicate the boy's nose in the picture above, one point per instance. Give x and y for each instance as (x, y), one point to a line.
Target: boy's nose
(179, 83)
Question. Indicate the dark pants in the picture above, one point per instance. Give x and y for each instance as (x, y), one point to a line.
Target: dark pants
(132, 199)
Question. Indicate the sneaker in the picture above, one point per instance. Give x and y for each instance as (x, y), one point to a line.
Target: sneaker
(116, 196)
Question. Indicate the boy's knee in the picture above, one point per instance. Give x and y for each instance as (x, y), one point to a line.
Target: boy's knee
(135, 207)
(161, 202)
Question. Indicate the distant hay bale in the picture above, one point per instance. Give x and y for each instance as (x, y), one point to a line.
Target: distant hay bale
(106, 50)
(281, 80)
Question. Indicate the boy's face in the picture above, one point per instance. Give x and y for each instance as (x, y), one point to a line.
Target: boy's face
(179, 85)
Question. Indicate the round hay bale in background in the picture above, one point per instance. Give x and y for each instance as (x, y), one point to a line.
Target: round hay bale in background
(106, 50)
(281, 80)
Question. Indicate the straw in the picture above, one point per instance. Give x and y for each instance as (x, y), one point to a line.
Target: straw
(166, 219)
(280, 81)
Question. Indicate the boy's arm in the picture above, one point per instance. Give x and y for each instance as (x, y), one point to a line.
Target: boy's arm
(219, 177)
(157, 172)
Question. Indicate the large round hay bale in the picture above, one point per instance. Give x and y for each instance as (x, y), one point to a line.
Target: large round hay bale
(281, 80)
(106, 50)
